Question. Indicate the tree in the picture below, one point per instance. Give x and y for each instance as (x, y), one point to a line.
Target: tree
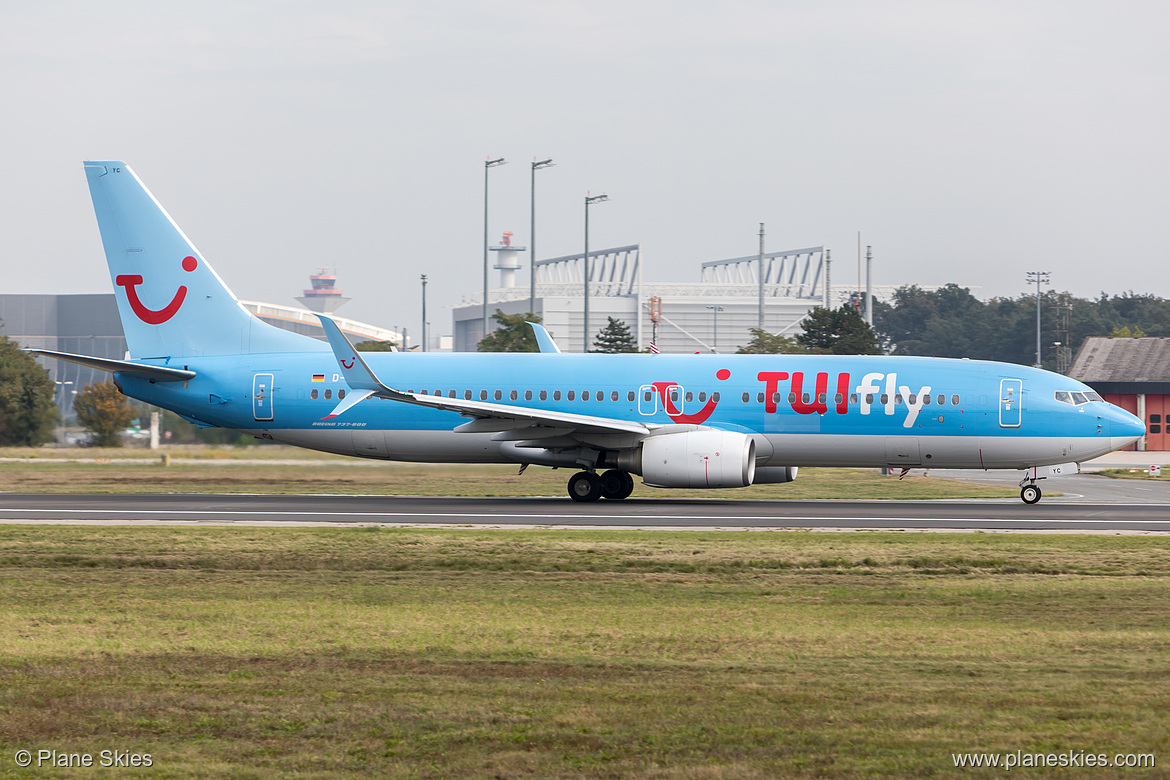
(615, 337)
(375, 346)
(837, 332)
(1125, 333)
(103, 410)
(27, 411)
(765, 343)
(512, 334)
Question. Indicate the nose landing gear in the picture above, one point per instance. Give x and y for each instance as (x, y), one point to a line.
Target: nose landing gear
(1030, 494)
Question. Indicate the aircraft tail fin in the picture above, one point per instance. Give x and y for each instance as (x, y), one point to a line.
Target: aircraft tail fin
(171, 301)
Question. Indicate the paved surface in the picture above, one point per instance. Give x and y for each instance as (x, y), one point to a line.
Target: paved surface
(1051, 515)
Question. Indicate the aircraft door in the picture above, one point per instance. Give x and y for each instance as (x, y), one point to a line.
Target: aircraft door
(262, 397)
(1011, 396)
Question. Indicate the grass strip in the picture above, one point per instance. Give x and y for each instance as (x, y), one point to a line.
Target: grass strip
(463, 653)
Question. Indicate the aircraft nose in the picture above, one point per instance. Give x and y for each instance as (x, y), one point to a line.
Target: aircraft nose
(1125, 428)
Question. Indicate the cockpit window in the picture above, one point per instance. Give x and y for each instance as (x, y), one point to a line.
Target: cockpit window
(1095, 397)
(1063, 397)
(1079, 398)
(1074, 398)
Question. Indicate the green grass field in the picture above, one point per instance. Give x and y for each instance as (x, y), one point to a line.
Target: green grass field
(289, 470)
(316, 653)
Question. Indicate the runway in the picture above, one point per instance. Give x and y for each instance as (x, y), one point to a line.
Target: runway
(991, 515)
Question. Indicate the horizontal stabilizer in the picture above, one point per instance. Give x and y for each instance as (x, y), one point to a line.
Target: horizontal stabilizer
(157, 373)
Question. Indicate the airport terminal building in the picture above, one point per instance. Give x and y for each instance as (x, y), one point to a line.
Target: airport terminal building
(713, 314)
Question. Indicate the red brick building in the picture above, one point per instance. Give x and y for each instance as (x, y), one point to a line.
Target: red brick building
(1133, 374)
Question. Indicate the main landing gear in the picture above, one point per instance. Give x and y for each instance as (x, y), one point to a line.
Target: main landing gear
(588, 486)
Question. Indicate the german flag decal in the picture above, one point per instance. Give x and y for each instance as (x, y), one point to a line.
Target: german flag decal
(318, 377)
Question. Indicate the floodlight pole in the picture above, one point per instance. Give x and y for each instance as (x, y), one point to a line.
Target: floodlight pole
(488, 165)
(715, 327)
(1038, 278)
(760, 322)
(536, 166)
(424, 312)
(589, 201)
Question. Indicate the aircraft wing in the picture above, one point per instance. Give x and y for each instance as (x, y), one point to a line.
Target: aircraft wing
(485, 416)
(157, 373)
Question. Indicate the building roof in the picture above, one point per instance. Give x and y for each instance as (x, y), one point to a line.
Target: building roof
(1122, 360)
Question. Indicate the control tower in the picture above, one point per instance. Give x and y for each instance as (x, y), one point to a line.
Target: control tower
(322, 297)
(507, 261)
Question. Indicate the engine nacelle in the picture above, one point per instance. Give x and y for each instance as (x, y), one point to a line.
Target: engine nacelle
(774, 475)
(696, 459)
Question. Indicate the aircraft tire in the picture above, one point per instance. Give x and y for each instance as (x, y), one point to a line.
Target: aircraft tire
(585, 486)
(1030, 494)
(616, 484)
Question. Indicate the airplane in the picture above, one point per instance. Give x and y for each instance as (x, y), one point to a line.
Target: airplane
(676, 421)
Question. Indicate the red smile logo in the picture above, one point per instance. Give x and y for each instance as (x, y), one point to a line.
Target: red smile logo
(348, 365)
(151, 316)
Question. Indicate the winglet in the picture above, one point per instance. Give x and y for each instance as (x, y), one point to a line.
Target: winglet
(357, 374)
(543, 339)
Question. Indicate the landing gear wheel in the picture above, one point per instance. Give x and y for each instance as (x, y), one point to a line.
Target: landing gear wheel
(616, 484)
(1030, 494)
(584, 486)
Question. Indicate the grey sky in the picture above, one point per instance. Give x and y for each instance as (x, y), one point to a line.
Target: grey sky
(969, 142)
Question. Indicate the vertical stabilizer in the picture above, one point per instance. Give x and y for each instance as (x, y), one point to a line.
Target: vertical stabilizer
(171, 301)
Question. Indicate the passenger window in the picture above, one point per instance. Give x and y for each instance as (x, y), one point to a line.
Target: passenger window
(690, 397)
(572, 395)
(613, 395)
(942, 400)
(328, 394)
(646, 396)
(313, 394)
(630, 396)
(715, 397)
(838, 398)
(499, 395)
(885, 398)
(483, 395)
(544, 395)
(925, 400)
(792, 398)
(955, 399)
(466, 395)
(745, 397)
(759, 398)
(341, 393)
(869, 399)
(584, 395)
(674, 396)
(775, 398)
(821, 398)
(897, 398)
(450, 393)
(556, 395)
(804, 398)
(853, 399)
(513, 395)
(702, 397)
(527, 395)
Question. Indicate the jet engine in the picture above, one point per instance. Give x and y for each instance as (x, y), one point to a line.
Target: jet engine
(694, 459)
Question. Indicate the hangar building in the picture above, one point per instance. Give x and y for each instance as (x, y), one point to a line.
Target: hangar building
(1133, 373)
